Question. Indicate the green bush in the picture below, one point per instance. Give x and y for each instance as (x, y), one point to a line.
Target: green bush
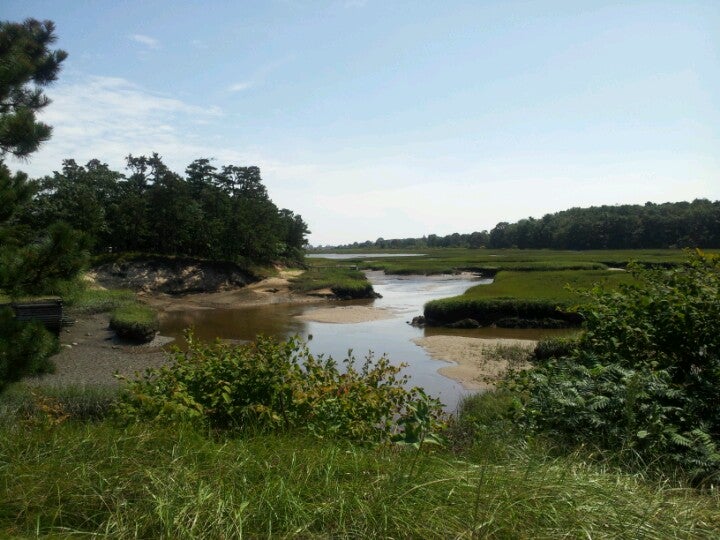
(555, 347)
(136, 322)
(269, 385)
(25, 348)
(644, 378)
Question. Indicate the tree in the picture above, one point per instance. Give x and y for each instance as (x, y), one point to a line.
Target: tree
(24, 59)
(30, 260)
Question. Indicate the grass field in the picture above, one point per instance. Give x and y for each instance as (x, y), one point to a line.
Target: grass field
(63, 478)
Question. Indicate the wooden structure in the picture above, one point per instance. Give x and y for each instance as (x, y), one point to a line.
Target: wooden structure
(47, 311)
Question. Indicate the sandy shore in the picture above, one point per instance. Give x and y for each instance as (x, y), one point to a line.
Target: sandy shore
(347, 314)
(478, 360)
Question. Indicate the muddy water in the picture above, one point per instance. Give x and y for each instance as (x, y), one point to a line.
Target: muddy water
(404, 295)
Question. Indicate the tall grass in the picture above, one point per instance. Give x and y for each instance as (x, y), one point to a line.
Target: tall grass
(143, 482)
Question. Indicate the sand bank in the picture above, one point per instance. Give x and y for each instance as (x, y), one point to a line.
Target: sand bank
(347, 314)
(480, 362)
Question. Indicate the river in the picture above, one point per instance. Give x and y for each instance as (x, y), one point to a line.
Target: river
(404, 296)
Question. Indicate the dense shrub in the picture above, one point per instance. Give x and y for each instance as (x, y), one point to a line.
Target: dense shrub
(555, 347)
(25, 348)
(269, 385)
(645, 375)
(136, 322)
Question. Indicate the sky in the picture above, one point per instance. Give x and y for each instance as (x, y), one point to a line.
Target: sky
(394, 119)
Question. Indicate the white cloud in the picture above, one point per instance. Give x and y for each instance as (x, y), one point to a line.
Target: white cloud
(108, 118)
(239, 87)
(145, 40)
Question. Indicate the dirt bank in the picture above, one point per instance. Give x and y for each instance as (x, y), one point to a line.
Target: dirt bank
(274, 290)
(171, 275)
(480, 362)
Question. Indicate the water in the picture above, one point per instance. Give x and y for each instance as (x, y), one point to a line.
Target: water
(404, 295)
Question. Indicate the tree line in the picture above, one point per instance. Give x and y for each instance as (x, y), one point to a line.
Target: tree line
(648, 226)
(216, 213)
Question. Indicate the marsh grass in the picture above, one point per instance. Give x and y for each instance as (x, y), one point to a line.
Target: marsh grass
(136, 322)
(81, 403)
(89, 301)
(343, 282)
(491, 261)
(524, 296)
(129, 318)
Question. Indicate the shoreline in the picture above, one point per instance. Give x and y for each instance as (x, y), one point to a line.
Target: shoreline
(477, 363)
(91, 353)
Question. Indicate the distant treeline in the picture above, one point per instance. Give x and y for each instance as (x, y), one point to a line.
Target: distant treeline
(222, 214)
(667, 225)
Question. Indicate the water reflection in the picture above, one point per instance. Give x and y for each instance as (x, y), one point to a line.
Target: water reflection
(405, 295)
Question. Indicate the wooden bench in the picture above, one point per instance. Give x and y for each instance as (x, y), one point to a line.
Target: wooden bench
(47, 312)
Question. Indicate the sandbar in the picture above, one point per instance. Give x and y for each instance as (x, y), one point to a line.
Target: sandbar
(346, 314)
(478, 363)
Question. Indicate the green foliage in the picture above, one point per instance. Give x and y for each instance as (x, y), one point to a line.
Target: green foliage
(155, 210)
(644, 377)
(43, 263)
(33, 260)
(668, 225)
(269, 386)
(25, 348)
(136, 322)
(343, 282)
(555, 347)
(27, 65)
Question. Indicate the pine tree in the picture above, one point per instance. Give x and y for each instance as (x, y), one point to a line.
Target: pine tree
(31, 261)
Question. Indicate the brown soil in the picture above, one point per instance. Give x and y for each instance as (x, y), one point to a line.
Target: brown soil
(274, 290)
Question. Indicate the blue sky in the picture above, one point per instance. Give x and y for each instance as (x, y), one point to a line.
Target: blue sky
(379, 118)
